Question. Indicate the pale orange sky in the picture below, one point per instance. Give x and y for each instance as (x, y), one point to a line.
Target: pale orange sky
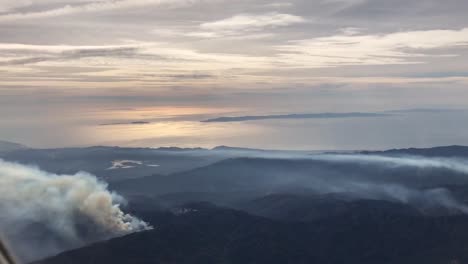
(68, 66)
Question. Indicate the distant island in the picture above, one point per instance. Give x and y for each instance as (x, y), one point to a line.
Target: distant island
(293, 116)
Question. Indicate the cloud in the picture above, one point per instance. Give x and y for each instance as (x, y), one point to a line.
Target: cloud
(244, 23)
(11, 5)
(60, 53)
(380, 49)
(143, 52)
(415, 11)
(6, 6)
(44, 213)
(55, 49)
(456, 165)
(126, 123)
(280, 5)
(253, 22)
(96, 6)
(348, 48)
(274, 65)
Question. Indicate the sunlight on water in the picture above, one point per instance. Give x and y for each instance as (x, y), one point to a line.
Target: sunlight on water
(300, 134)
(173, 133)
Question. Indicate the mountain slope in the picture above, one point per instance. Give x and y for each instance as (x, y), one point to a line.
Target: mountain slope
(207, 234)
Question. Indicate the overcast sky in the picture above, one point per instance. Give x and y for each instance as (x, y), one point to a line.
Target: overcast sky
(73, 64)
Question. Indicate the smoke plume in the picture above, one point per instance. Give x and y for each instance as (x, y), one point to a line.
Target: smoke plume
(44, 213)
(454, 164)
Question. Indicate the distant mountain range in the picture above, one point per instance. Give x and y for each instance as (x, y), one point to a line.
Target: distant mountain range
(6, 146)
(444, 151)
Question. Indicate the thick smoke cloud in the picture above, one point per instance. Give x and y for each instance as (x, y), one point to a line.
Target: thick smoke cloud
(43, 213)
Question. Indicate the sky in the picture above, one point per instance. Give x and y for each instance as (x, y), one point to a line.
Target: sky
(146, 72)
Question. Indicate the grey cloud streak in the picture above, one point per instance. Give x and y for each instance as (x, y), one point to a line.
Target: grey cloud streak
(96, 6)
(73, 54)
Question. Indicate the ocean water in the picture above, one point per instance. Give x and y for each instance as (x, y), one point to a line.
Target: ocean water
(407, 129)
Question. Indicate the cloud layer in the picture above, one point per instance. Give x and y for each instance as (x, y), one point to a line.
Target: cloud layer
(84, 7)
(234, 54)
(243, 24)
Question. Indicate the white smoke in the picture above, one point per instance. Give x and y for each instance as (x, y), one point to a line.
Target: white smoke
(69, 210)
(397, 189)
(432, 200)
(454, 164)
(415, 180)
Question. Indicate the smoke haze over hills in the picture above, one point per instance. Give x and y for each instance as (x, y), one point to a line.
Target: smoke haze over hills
(64, 208)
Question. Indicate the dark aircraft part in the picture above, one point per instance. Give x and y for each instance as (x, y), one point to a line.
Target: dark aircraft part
(5, 255)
